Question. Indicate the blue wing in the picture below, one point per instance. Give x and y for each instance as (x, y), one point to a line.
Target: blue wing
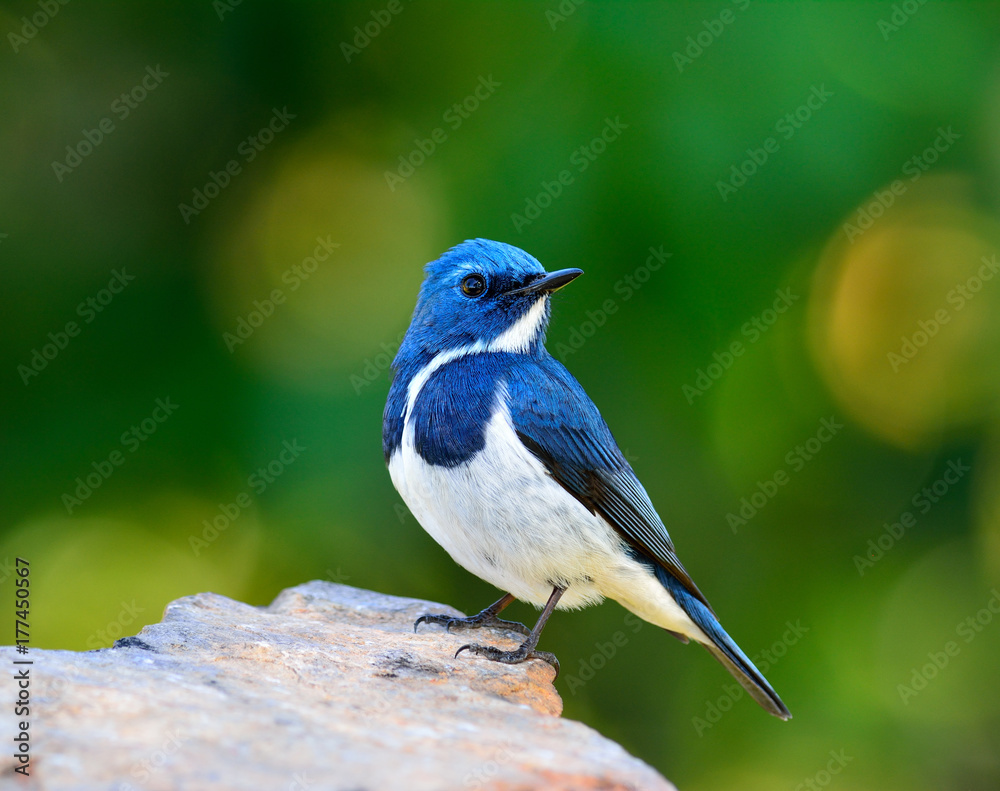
(559, 424)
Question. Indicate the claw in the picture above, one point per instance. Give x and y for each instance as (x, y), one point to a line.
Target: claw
(429, 619)
(473, 622)
(488, 617)
(515, 657)
(549, 657)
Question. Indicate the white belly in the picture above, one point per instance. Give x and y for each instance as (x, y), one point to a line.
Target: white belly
(502, 517)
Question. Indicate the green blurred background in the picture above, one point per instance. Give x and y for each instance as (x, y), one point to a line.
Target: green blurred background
(874, 211)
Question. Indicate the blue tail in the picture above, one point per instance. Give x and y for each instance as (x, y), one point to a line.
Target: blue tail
(723, 647)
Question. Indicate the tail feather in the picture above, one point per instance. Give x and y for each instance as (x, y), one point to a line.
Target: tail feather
(724, 648)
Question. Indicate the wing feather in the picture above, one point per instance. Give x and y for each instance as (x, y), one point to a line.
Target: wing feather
(559, 424)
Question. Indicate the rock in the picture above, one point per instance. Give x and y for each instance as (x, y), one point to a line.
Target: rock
(327, 688)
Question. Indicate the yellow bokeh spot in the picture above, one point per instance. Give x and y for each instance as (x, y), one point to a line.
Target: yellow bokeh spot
(904, 322)
(322, 269)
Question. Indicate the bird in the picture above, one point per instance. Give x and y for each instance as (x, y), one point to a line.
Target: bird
(506, 462)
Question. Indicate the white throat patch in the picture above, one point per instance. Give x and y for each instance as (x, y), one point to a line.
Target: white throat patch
(520, 337)
(516, 339)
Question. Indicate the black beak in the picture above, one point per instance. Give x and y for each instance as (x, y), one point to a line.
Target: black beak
(553, 281)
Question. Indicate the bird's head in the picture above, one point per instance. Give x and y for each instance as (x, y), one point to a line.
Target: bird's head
(483, 295)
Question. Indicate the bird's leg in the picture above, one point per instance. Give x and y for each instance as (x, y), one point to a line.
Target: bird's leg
(487, 617)
(527, 649)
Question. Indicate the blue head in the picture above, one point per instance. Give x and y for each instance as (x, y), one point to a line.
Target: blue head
(481, 295)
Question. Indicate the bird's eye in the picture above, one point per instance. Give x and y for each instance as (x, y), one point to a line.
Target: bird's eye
(473, 285)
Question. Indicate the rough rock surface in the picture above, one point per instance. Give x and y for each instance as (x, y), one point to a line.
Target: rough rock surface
(327, 688)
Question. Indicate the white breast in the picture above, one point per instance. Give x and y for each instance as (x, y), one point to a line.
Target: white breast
(502, 517)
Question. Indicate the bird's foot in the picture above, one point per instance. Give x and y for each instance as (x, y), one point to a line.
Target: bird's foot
(483, 619)
(522, 654)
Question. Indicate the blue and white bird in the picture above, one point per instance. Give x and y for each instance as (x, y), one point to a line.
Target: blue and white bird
(506, 462)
